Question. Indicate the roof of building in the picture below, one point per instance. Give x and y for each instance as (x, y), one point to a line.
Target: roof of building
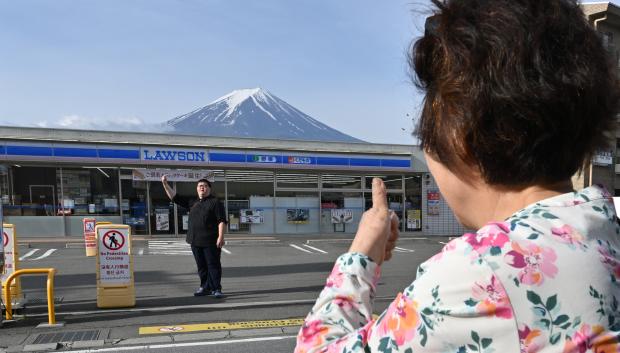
(171, 140)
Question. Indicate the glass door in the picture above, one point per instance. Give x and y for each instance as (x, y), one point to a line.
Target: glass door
(133, 205)
(161, 211)
(188, 190)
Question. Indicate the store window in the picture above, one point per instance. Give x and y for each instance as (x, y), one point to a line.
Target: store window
(87, 191)
(341, 211)
(341, 181)
(297, 212)
(34, 192)
(413, 202)
(297, 180)
(392, 182)
(250, 201)
(133, 205)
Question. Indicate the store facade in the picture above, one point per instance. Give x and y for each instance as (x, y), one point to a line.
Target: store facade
(51, 179)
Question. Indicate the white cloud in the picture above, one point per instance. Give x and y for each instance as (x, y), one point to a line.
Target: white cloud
(78, 122)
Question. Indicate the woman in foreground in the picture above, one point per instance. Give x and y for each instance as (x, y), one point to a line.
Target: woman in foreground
(518, 96)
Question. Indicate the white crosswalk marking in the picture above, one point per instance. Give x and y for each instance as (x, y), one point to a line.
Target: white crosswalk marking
(168, 247)
(28, 254)
(403, 249)
(171, 247)
(315, 249)
(46, 254)
(301, 249)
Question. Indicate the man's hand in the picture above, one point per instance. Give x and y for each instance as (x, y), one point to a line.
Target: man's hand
(378, 229)
(220, 242)
(164, 179)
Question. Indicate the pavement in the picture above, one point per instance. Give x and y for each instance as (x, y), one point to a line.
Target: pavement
(248, 330)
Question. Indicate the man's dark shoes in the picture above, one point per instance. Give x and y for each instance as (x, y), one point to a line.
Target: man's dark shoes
(200, 292)
(217, 294)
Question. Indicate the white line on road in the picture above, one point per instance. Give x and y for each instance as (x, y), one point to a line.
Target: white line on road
(169, 252)
(226, 251)
(313, 248)
(28, 254)
(187, 344)
(441, 242)
(403, 249)
(46, 254)
(300, 248)
(141, 251)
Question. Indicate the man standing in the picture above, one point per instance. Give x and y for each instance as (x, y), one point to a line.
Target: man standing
(205, 234)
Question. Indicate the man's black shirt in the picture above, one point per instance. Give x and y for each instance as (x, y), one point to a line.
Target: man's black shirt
(204, 217)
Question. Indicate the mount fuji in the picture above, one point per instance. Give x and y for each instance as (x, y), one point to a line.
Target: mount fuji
(255, 113)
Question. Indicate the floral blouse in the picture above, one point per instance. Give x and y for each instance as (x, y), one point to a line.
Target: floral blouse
(546, 279)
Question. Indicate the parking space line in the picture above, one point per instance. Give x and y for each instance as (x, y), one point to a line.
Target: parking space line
(46, 254)
(315, 249)
(28, 254)
(300, 248)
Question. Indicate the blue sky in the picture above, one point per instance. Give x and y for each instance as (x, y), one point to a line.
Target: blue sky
(75, 63)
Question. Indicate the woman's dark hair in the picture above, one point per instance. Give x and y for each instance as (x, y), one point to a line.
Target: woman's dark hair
(521, 89)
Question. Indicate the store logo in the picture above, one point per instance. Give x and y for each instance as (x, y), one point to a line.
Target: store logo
(264, 159)
(299, 160)
(172, 155)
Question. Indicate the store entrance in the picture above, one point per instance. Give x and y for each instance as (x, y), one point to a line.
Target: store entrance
(186, 190)
(161, 211)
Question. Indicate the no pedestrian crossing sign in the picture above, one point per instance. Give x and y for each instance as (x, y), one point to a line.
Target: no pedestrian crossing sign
(114, 255)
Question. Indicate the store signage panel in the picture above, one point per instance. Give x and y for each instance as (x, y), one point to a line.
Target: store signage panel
(173, 155)
(75, 152)
(42, 151)
(264, 158)
(108, 153)
(227, 157)
(143, 174)
(300, 160)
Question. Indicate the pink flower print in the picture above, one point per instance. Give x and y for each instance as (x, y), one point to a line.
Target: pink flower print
(345, 302)
(587, 338)
(401, 320)
(566, 234)
(310, 336)
(610, 261)
(491, 235)
(335, 278)
(530, 340)
(535, 262)
(492, 299)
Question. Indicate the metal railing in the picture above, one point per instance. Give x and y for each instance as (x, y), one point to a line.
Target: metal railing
(50, 291)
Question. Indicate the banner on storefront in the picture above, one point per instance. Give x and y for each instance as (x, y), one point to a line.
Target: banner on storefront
(251, 216)
(414, 219)
(432, 202)
(342, 215)
(143, 174)
(298, 215)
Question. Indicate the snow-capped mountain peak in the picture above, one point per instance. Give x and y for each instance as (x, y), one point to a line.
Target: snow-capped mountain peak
(256, 113)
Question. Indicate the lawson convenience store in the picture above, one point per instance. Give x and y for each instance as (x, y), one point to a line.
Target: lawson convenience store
(50, 179)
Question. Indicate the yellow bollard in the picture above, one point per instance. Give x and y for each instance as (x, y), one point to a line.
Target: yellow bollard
(51, 314)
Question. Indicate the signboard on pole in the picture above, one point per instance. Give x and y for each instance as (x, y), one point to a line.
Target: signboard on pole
(115, 279)
(11, 259)
(90, 244)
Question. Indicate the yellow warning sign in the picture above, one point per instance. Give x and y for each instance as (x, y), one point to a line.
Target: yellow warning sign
(220, 326)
